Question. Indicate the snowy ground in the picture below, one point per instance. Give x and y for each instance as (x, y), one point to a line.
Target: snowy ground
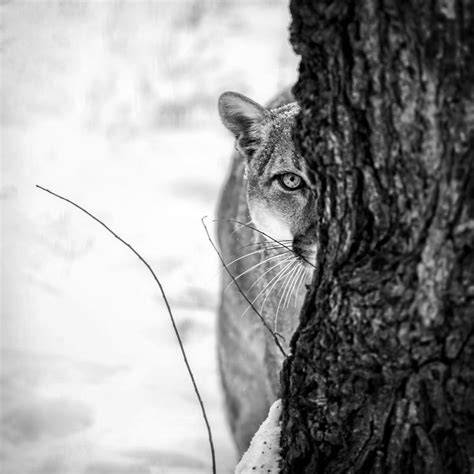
(113, 105)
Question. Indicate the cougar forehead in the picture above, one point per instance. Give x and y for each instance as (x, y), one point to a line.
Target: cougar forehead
(276, 140)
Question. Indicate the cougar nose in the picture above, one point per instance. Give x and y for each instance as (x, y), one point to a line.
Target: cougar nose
(304, 247)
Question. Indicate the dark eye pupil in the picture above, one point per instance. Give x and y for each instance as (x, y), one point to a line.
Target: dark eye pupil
(291, 180)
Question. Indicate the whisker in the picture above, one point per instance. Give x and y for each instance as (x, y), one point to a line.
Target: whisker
(291, 288)
(259, 231)
(285, 287)
(263, 233)
(278, 275)
(254, 252)
(289, 283)
(281, 273)
(270, 269)
(274, 284)
(253, 267)
(268, 243)
(271, 238)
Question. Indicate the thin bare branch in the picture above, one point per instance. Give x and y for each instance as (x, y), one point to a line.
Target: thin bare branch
(165, 299)
(269, 329)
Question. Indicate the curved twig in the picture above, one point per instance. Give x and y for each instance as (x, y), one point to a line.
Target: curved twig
(274, 335)
(165, 299)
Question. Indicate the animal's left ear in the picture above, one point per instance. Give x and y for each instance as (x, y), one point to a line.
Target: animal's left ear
(244, 118)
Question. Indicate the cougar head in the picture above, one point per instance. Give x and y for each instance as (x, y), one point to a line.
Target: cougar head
(279, 197)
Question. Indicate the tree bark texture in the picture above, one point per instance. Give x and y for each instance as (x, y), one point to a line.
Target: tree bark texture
(382, 368)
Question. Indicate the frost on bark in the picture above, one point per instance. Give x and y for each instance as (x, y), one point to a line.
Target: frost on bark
(381, 379)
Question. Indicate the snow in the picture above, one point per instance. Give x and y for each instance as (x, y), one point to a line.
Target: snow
(263, 455)
(113, 104)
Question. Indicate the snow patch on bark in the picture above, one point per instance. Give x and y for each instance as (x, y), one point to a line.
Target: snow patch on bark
(263, 454)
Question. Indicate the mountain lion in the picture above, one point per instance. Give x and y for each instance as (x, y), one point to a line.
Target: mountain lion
(266, 213)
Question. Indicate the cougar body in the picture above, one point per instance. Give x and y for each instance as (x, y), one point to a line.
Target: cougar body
(271, 257)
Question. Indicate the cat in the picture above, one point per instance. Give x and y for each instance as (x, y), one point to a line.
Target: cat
(266, 217)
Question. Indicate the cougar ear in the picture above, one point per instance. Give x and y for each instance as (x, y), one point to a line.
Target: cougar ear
(244, 118)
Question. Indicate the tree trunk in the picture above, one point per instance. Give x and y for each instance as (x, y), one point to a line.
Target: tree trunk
(382, 367)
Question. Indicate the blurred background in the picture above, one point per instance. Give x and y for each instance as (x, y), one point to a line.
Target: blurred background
(113, 104)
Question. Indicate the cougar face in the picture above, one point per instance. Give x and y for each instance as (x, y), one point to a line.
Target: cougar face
(280, 202)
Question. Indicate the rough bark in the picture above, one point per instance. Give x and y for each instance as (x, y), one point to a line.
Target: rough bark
(382, 371)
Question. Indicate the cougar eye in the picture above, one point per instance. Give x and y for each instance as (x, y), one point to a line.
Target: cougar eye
(291, 181)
